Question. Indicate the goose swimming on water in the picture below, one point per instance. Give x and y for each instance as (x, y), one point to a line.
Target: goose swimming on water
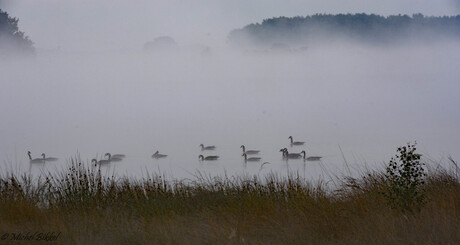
(249, 152)
(100, 162)
(157, 155)
(287, 155)
(251, 159)
(36, 160)
(310, 158)
(295, 142)
(117, 155)
(208, 158)
(113, 158)
(48, 159)
(207, 148)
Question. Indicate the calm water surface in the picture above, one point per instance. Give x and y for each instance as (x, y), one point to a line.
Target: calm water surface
(363, 101)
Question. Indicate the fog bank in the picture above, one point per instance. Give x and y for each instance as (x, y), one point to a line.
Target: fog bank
(367, 100)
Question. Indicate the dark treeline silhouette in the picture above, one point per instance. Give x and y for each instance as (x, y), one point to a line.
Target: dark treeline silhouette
(365, 27)
(12, 40)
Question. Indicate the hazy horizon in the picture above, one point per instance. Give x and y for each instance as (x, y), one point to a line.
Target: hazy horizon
(96, 26)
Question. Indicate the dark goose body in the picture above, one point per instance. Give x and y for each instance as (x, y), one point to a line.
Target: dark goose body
(100, 162)
(157, 155)
(295, 142)
(249, 152)
(48, 159)
(113, 158)
(310, 158)
(287, 155)
(36, 160)
(207, 148)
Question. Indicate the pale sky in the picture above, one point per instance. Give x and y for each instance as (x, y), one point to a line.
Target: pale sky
(127, 25)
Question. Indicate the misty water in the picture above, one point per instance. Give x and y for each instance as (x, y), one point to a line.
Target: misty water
(359, 100)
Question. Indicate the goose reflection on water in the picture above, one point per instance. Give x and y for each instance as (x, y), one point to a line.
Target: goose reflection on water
(208, 158)
(251, 159)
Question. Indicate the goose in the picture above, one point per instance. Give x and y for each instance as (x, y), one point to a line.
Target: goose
(157, 155)
(288, 155)
(249, 152)
(113, 158)
(208, 158)
(117, 155)
(100, 162)
(311, 158)
(295, 142)
(204, 148)
(251, 159)
(36, 160)
(48, 159)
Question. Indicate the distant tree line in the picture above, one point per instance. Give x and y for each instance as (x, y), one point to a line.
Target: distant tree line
(366, 27)
(12, 40)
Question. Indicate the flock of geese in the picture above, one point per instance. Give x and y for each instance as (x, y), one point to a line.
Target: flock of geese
(285, 152)
(119, 157)
(42, 159)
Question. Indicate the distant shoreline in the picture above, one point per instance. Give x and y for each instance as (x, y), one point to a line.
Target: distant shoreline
(278, 32)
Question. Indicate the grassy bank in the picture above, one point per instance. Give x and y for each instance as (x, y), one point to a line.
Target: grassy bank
(88, 208)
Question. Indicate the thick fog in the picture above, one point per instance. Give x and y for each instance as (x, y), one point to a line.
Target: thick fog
(350, 102)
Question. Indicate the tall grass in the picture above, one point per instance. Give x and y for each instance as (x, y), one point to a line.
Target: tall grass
(88, 207)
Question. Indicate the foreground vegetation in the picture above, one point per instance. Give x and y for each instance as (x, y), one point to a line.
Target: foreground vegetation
(85, 207)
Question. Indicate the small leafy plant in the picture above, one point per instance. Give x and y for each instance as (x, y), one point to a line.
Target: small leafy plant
(405, 176)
